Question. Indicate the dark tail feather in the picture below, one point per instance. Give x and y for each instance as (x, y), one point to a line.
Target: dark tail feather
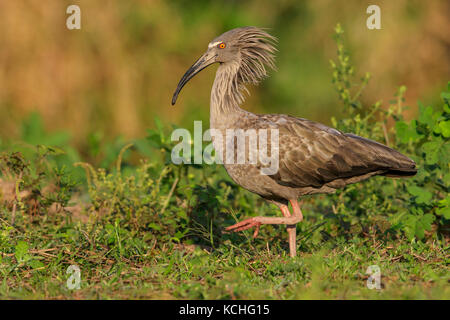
(397, 164)
(404, 167)
(395, 173)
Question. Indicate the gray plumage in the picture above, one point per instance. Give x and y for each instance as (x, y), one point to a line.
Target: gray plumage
(313, 158)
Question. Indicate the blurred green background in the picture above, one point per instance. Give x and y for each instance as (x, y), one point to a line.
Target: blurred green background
(117, 73)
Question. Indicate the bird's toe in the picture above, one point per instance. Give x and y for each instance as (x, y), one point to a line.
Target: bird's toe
(244, 225)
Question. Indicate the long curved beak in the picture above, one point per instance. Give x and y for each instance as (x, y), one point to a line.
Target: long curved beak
(205, 60)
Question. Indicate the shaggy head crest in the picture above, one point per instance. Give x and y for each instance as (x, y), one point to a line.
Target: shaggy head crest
(244, 55)
(253, 48)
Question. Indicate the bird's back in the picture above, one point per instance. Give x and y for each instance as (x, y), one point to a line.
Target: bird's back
(314, 158)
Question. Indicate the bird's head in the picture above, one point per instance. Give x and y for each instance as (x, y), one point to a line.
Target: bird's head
(250, 48)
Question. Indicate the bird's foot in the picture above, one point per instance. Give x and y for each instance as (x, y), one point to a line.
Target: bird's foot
(288, 219)
(246, 224)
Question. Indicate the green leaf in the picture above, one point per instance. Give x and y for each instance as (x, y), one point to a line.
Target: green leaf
(446, 96)
(407, 132)
(444, 208)
(35, 264)
(446, 179)
(154, 226)
(423, 223)
(426, 116)
(426, 221)
(419, 231)
(447, 108)
(431, 150)
(21, 251)
(410, 226)
(444, 155)
(55, 151)
(402, 128)
(422, 195)
(445, 212)
(444, 127)
(416, 225)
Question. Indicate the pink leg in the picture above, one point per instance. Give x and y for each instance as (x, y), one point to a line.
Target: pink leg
(288, 219)
(292, 229)
(292, 232)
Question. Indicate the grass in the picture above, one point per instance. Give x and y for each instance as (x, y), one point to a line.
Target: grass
(245, 269)
(133, 244)
(152, 232)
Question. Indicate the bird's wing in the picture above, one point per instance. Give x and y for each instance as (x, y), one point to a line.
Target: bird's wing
(312, 154)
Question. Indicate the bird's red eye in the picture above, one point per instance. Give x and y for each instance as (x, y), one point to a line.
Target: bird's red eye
(222, 45)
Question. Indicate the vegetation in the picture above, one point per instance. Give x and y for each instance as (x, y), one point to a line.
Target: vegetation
(155, 229)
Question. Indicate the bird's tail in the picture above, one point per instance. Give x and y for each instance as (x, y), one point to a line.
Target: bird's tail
(397, 164)
(401, 173)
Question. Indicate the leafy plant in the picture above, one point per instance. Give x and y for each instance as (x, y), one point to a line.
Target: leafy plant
(411, 205)
(39, 188)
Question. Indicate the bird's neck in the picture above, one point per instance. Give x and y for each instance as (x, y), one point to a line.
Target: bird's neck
(226, 95)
